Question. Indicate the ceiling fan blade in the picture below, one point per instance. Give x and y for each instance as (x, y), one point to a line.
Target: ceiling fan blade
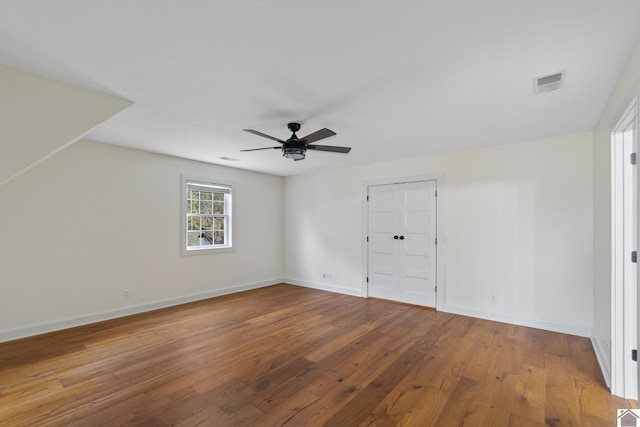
(266, 148)
(264, 135)
(331, 148)
(318, 135)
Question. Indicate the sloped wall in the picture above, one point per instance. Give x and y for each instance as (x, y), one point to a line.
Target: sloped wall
(41, 116)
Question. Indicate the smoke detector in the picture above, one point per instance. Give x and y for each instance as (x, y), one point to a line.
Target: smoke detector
(548, 83)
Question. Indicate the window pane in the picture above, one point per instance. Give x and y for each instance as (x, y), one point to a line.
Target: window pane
(193, 223)
(192, 238)
(205, 196)
(218, 197)
(218, 237)
(206, 238)
(218, 208)
(219, 224)
(206, 208)
(207, 223)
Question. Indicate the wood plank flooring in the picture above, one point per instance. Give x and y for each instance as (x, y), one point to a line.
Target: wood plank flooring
(291, 356)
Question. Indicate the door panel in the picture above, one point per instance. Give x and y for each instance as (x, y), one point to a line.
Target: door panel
(383, 252)
(383, 282)
(414, 285)
(402, 253)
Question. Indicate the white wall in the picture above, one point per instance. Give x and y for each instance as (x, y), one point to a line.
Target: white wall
(628, 85)
(41, 116)
(95, 219)
(517, 223)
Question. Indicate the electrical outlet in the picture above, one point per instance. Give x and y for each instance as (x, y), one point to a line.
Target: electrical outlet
(125, 293)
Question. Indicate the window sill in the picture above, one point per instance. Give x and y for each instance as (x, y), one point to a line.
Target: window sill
(206, 250)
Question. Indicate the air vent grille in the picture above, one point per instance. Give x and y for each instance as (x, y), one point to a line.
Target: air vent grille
(549, 82)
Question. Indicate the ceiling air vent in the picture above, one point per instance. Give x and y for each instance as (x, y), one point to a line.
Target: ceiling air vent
(548, 83)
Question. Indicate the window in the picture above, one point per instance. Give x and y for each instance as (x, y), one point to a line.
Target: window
(206, 215)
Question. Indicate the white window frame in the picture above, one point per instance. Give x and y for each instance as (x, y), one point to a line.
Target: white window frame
(225, 187)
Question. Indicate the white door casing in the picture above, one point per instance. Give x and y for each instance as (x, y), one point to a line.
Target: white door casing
(401, 250)
(625, 328)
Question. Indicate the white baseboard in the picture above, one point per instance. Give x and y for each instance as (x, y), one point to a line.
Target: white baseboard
(547, 325)
(325, 287)
(27, 331)
(603, 360)
(42, 328)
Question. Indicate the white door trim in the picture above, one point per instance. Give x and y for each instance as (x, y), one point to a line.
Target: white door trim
(439, 179)
(624, 372)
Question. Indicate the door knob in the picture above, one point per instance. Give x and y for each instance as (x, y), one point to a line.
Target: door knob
(401, 237)
(395, 237)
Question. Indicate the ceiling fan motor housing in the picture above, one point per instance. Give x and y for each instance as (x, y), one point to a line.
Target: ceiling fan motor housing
(293, 127)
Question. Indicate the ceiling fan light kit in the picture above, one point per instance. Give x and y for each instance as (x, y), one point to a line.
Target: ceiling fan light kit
(296, 148)
(295, 153)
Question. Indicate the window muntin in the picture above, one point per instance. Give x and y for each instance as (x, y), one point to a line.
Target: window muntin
(206, 215)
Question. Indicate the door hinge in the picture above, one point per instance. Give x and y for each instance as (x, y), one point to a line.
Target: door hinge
(436, 193)
(367, 280)
(436, 240)
(367, 198)
(634, 256)
(634, 159)
(436, 289)
(367, 238)
(634, 355)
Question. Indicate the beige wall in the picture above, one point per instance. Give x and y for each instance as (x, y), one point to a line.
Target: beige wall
(95, 219)
(517, 224)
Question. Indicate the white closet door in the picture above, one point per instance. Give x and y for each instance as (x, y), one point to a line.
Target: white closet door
(402, 242)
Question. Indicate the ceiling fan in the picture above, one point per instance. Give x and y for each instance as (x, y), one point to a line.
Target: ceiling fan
(296, 148)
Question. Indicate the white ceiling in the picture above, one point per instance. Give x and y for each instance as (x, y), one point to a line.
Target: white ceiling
(394, 79)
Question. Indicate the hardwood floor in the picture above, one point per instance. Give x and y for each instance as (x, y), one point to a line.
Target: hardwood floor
(291, 356)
